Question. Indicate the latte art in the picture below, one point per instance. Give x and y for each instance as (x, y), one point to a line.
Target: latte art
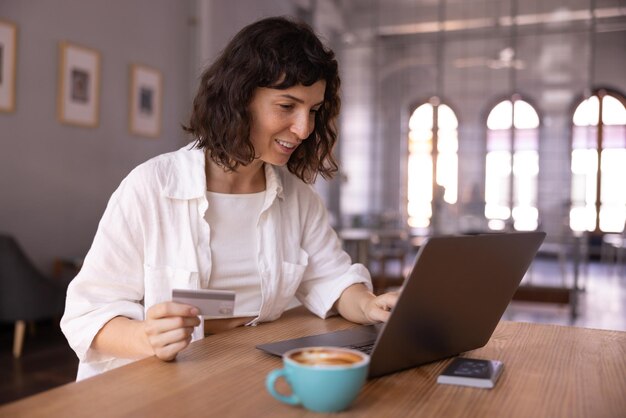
(321, 378)
(326, 357)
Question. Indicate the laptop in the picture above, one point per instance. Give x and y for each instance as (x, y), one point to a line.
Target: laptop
(450, 303)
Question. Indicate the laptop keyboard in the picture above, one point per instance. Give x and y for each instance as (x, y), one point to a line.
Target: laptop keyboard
(366, 348)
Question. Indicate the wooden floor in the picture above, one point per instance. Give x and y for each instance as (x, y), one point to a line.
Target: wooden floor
(48, 361)
(601, 302)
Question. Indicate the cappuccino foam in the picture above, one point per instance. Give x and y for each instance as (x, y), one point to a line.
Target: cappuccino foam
(326, 357)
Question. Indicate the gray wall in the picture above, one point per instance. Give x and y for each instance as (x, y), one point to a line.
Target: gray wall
(55, 179)
(219, 20)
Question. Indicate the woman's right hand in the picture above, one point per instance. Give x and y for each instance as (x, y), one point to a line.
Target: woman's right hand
(168, 327)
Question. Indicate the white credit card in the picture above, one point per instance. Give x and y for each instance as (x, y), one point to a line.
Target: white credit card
(213, 303)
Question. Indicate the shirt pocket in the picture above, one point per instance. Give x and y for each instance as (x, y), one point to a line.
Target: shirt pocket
(293, 272)
(159, 282)
(291, 276)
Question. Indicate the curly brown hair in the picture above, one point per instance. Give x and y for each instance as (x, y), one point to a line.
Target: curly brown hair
(278, 53)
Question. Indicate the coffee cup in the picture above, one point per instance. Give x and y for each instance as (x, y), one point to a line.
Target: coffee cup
(322, 379)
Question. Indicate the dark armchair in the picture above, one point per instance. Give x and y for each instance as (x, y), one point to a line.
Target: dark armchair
(25, 293)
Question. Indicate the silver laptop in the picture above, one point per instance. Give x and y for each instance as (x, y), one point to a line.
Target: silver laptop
(451, 302)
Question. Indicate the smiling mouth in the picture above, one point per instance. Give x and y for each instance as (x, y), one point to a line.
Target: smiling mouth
(287, 145)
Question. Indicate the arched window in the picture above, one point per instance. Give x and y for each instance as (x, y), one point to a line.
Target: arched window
(511, 183)
(431, 123)
(599, 196)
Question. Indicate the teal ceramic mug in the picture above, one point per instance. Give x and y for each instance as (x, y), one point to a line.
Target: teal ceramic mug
(322, 379)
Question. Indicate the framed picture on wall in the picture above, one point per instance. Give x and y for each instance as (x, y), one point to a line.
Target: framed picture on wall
(8, 55)
(146, 101)
(79, 85)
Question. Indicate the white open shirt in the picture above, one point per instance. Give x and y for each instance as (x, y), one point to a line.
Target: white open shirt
(153, 238)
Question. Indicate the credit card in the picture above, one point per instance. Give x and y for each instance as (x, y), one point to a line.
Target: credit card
(215, 303)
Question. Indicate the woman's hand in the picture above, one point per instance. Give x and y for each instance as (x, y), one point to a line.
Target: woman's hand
(379, 308)
(165, 332)
(358, 304)
(168, 327)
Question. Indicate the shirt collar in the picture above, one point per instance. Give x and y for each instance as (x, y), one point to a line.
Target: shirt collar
(183, 177)
(273, 182)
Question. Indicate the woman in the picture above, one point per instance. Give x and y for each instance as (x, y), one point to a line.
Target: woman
(232, 211)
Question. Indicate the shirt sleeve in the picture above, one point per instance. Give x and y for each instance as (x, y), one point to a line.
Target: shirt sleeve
(110, 283)
(330, 270)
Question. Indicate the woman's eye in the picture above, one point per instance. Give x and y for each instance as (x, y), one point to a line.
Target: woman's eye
(286, 106)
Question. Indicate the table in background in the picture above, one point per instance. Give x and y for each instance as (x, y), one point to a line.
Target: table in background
(356, 243)
(550, 371)
(383, 251)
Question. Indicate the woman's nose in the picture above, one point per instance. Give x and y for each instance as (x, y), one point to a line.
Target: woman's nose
(302, 126)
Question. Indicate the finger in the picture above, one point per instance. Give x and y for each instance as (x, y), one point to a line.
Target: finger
(165, 309)
(390, 296)
(159, 341)
(159, 326)
(380, 315)
(387, 301)
(169, 352)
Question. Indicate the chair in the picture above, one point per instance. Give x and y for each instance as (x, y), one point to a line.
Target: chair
(613, 250)
(387, 248)
(568, 245)
(25, 293)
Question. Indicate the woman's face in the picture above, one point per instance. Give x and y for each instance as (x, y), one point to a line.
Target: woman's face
(282, 119)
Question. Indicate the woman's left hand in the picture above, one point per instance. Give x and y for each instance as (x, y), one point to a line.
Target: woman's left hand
(358, 304)
(379, 308)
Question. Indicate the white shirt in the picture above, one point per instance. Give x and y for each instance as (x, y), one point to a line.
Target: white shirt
(233, 219)
(153, 238)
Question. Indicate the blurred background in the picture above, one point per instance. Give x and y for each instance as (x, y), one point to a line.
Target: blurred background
(458, 116)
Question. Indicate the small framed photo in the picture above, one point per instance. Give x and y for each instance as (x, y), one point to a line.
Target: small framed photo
(8, 59)
(79, 85)
(146, 101)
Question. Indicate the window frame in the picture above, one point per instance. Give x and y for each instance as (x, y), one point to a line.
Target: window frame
(413, 106)
(600, 92)
(508, 223)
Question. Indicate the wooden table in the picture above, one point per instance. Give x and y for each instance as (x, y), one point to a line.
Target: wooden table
(550, 371)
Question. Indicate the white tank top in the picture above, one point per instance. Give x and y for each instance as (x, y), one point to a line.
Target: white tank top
(233, 222)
